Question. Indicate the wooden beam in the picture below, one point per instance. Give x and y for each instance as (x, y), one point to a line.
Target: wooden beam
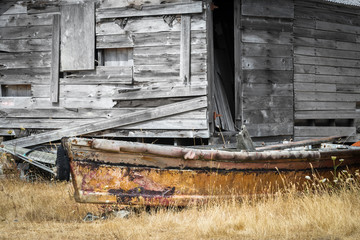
(185, 49)
(210, 64)
(298, 143)
(127, 119)
(238, 63)
(55, 60)
(151, 10)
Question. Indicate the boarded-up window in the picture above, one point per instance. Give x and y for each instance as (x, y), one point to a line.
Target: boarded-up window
(77, 37)
(23, 90)
(118, 57)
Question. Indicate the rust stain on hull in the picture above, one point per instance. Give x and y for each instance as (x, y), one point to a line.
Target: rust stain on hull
(147, 179)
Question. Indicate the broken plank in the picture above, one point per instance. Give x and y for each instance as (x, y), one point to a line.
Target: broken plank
(144, 93)
(7, 132)
(131, 118)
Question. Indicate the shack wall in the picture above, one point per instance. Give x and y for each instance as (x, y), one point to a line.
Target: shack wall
(326, 72)
(149, 78)
(297, 71)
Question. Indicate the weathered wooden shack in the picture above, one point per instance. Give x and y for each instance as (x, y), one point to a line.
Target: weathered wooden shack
(179, 69)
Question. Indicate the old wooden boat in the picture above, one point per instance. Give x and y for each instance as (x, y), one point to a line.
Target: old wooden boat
(130, 173)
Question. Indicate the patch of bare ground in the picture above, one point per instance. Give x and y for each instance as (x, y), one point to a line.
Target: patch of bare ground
(48, 211)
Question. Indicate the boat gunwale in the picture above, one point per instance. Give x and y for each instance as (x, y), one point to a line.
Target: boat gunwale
(187, 153)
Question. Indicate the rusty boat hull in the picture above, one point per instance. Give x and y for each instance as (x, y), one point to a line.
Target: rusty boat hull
(127, 173)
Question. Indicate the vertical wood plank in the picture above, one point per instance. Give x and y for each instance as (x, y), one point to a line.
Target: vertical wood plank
(185, 48)
(100, 54)
(55, 60)
(238, 63)
(78, 37)
(210, 65)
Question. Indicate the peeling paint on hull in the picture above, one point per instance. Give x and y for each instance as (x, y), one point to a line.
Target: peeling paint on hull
(131, 178)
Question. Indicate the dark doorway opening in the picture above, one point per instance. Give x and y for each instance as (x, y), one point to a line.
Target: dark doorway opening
(223, 24)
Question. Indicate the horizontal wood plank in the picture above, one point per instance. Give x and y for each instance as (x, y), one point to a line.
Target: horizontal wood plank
(186, 91)
(324, 96)
(29, 102)
(324, 61)
(268, 8)
(21, 20)
(267, 89)
(313, 78)
(265, 63)
(267, 24)
(314, 87)
(28, 32)
(273, 115)
(25, 45)
(146, 25)
(323, 43)
(320, 34)
(198, 37)
(25, 60)
(325, 52)
(274, 37)
(319, 131)
(324, 105)
(151, 10)
(267, 50)
(270, 129)
(267, 102)
(267, 76)
(170, 124)
(156, 134)
(332, 114)
(84, 113)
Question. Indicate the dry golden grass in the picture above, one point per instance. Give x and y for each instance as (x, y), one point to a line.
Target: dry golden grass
(48, 211)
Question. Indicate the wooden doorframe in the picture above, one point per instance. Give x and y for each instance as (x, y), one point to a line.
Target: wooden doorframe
(238, 64)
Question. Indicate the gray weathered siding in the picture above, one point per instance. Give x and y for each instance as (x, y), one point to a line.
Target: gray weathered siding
(327, 73)
(266, 67)
(152, 80)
